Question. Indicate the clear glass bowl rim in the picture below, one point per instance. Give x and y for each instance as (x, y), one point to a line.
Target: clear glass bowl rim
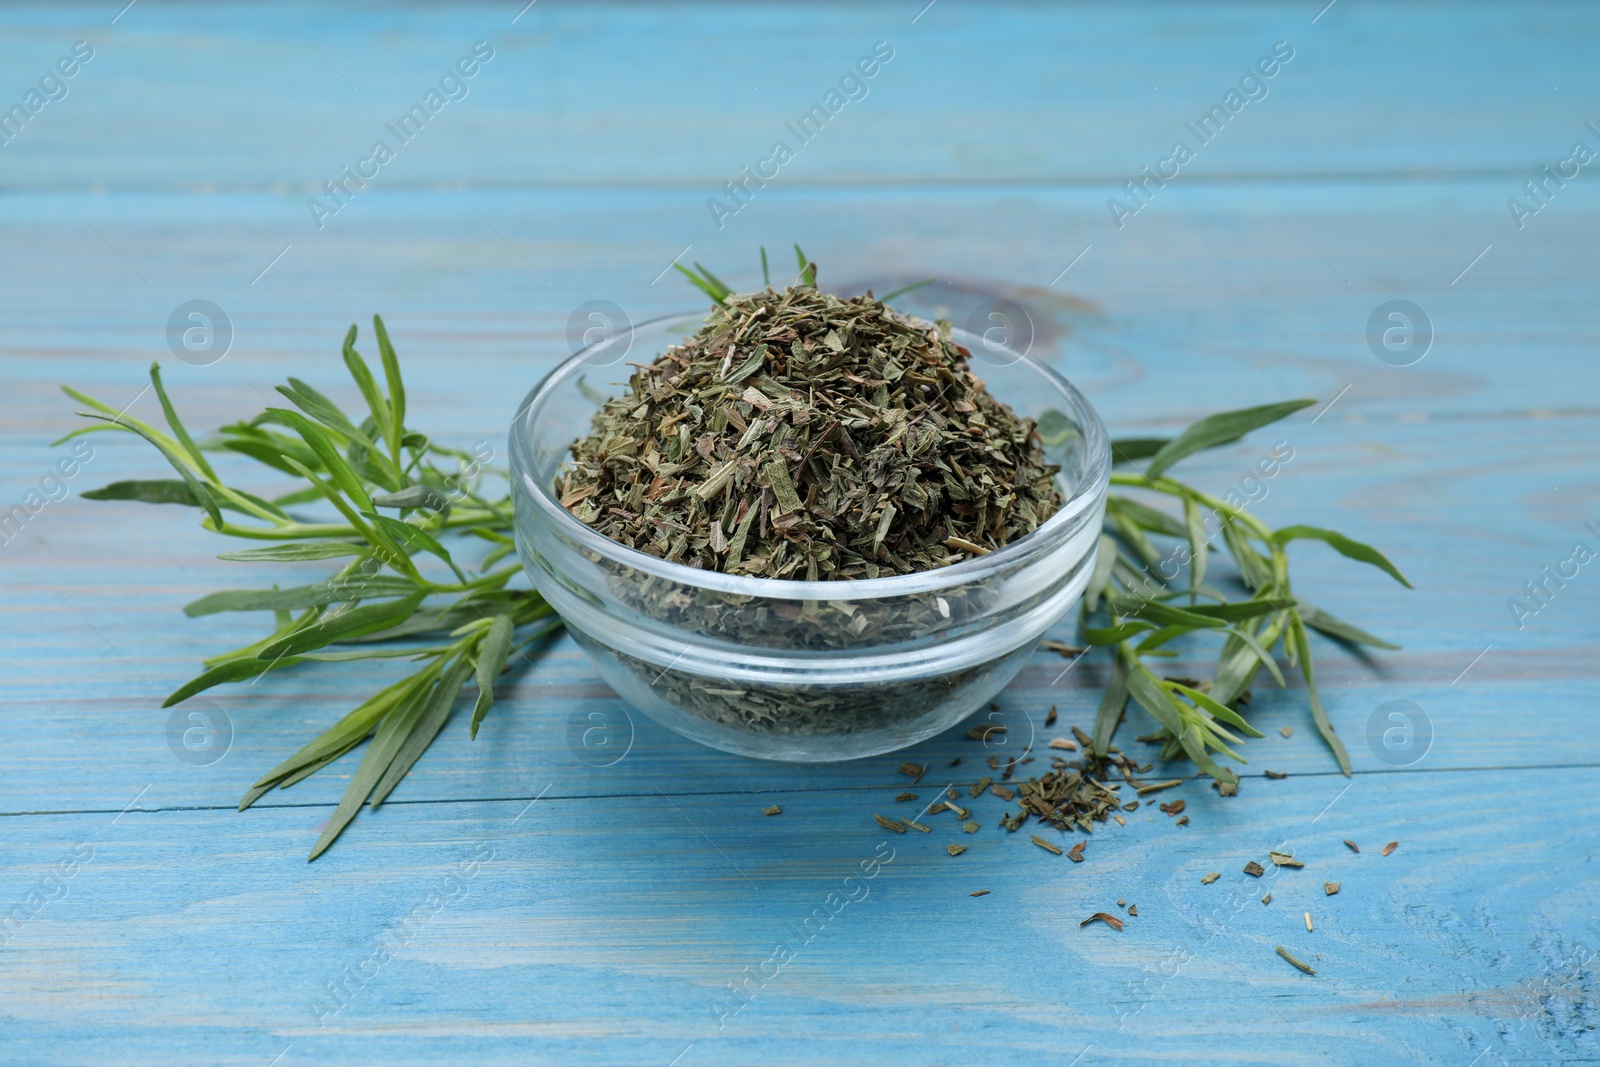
(1090, 488)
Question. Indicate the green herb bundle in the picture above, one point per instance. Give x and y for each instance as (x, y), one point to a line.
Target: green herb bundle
(379, 604)
(391, 499)
(1142, 608)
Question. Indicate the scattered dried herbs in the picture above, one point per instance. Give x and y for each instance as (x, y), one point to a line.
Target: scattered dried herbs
(1284, 859)
(1286, 731)
(1254, 869)
(1309, 928)
(955, 850)
(1390, 847)
(1330, 888)
(979, 893)
(772, 810)
(1046, 845)
(1353, 846)
(1105, 917)
(1133, 909)
(1212, 877)
(1070, 796)
(889, 824)
(1279, 775)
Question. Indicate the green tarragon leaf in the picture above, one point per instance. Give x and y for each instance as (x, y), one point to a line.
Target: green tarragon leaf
(296, 551)
(414, 536)
(352, 622)
(318, 595)
(425, 497)
(493, 652)
(197, 487)
(148, 491)
(1343, 545)
(392, 733)
(343, 735)
(232, 671)
(1128, 449)
(429, 723)
(1335, 627)
(1220, 429)
(1319, 715)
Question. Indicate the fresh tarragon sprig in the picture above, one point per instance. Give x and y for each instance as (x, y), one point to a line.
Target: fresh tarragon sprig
(1144, 606)
(381, 603)
(465, 625)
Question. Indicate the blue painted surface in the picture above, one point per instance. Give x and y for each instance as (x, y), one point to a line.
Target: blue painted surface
(602, 923)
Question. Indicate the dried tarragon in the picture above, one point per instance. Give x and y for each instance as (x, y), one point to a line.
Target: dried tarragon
(802, 435)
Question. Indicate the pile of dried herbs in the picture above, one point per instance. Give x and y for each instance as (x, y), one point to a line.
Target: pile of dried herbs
(800, 435)
(1071, 796)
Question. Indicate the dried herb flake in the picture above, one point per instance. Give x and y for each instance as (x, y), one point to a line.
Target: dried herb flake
(1297, 963)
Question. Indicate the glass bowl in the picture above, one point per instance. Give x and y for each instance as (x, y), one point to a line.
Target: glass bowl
(794, 670)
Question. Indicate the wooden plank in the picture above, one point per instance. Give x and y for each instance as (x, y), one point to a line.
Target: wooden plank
(585, 95)
(189, 936)
(1206, 299)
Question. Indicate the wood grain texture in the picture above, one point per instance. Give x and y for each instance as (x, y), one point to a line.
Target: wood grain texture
(608, 932)
(596, 914)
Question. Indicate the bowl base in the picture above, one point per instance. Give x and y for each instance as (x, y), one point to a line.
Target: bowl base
(800, 723)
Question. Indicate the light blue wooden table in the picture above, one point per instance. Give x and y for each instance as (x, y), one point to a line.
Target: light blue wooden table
(516, 904)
